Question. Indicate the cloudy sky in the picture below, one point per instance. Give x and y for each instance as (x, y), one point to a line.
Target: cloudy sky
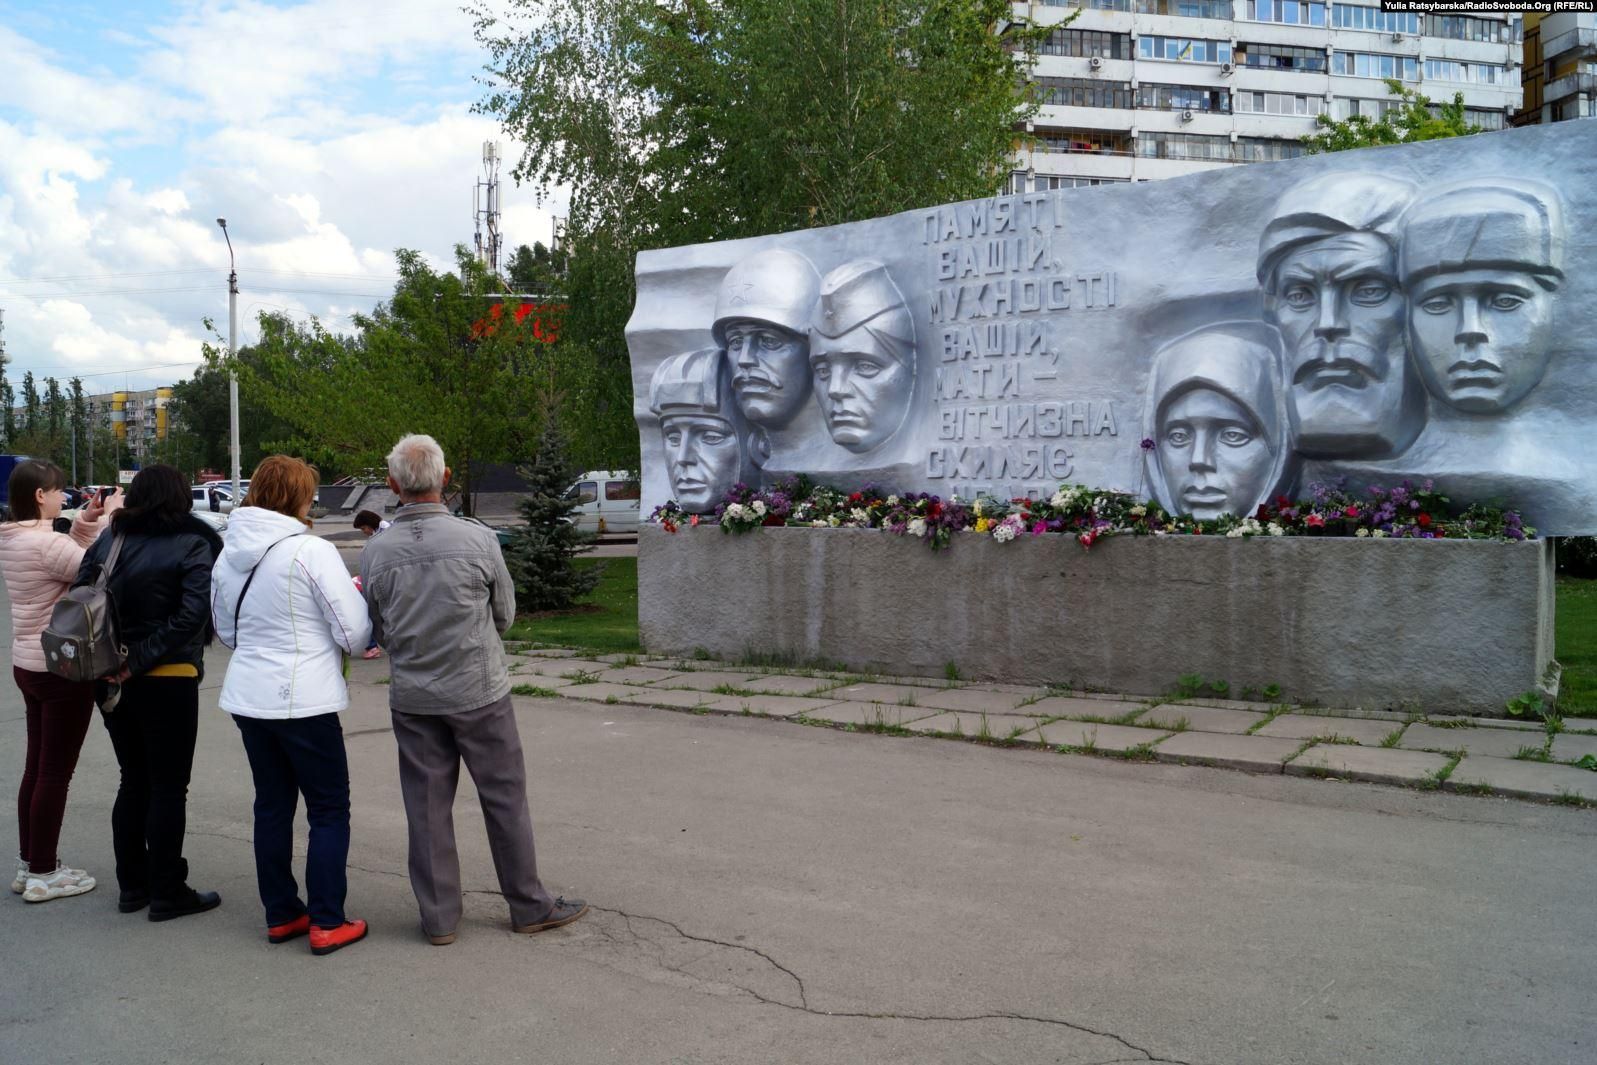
(327, 133)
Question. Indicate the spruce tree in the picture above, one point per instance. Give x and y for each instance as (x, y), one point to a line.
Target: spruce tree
(541, 553)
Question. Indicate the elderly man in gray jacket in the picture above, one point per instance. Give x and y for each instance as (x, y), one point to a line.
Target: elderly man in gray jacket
(440, 597)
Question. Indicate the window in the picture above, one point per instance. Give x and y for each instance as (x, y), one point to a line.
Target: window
(1453, 70)
(1184, 146)
(1084, 141)
(1182, 98)
(1281, 57)
(1088, 43)
(1183, 50)
(1083, 92)
(1484, 119)
(622, 490)
(1278, 103)
(584, 492)
(1266, 149)
(1347, 107)
(1370, 65)
(1046, 182)
(1185, 8)
(1290, 12)
(1359, 17)
(1466, 28)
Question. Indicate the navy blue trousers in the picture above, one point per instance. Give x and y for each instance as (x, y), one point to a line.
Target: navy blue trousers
(301, 756)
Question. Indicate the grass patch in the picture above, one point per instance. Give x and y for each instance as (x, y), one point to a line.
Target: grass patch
(1393, 738)
(581, 676)
(535, 690)
(1435, 780)
(605, 621)
(730, 689)
(1576, 646)
(1275, 712)
(1533, 754)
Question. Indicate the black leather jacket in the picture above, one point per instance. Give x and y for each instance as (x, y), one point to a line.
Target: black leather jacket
(161, 588)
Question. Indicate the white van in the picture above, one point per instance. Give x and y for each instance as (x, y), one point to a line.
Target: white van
(607, 501)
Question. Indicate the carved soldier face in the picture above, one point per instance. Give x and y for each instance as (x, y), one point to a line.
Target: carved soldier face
(770, 371)
(1481, 338)
(1213, 454)
(1340, 311)
(704, 457)
(863, 394)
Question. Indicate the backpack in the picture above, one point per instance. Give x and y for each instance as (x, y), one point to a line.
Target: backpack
(81, 642)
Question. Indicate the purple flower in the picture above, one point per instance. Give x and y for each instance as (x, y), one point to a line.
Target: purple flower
(1147, 443)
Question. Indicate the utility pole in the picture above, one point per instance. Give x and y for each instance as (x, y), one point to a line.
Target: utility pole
(232, 374)
(74, 447)
(485, 208)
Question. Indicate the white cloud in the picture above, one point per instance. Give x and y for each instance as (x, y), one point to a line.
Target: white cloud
(320, 174)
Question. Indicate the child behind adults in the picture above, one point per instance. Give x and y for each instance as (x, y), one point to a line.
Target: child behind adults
(284, 601)
(370, 524)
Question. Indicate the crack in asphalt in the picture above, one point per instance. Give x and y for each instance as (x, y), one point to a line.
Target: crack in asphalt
(657, 954)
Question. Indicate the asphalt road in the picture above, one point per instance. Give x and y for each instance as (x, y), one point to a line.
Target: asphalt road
(770, 892)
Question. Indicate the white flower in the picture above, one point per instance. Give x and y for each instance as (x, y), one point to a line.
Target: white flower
(734, 511)
(1097, 504)
(759, 507)
(817, 524)
(1003, 532)
(860, 516)
(1276, 530)
(1057, 500)
(1379, 533)
(976, 508)
(1139, 511)
(833, 522)
(1362, 531)
(1234, 532)
(892, 501)
(917, 527)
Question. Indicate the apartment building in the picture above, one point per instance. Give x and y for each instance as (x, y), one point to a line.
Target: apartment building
(1560, 68)
(138, 419)
(1137, 90)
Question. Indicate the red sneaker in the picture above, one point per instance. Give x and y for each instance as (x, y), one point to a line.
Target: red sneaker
(282, 933)
(327, 940)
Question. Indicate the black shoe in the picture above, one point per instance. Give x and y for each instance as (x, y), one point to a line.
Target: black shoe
(132, 901)
(190, 902)
(563, 912)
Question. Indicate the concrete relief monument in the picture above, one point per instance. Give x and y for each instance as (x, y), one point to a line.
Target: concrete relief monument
(1218, 423)
(1368, 315)
(704, 436)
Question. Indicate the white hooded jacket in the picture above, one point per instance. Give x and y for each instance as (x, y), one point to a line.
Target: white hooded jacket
(302, 614)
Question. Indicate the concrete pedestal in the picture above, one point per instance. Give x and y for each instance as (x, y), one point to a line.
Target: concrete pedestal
(1440, 626)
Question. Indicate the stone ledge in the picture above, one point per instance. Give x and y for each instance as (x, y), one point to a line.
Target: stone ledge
(1379, 765)
(1523, 779)
(1254, 754)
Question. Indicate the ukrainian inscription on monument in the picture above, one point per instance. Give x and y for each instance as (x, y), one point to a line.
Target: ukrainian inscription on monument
(1421, 311)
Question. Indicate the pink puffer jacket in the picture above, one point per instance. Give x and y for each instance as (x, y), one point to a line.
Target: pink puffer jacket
(39, 565)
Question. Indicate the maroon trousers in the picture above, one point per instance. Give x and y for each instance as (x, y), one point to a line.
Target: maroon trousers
(58, 718)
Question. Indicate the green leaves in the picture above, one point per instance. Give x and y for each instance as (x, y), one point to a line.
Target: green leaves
(1416, 118)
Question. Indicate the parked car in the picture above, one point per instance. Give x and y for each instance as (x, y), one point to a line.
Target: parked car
(607, 501)
(211, 498)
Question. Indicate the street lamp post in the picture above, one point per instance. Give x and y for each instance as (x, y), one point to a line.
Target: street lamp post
(232, 351)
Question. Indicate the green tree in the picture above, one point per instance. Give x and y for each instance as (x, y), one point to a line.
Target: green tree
(30, 404)
(683, 121)
(199, 425)
(537, 271)
(1414, 118)
(8, 401)
(541, 553)
(433, 359)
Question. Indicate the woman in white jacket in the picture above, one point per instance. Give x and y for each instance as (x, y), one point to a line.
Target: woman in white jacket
(284, 601)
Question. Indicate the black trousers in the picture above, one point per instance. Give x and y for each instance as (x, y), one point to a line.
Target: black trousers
(153, 730)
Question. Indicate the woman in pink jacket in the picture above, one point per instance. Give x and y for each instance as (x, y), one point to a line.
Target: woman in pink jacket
(39, 565)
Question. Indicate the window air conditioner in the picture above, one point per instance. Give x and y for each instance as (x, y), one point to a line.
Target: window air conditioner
(1396, 37)
(1226, 69)
(1186, 116)
(1095, 62)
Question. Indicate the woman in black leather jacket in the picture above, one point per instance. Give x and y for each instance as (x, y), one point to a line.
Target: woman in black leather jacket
(161, 592)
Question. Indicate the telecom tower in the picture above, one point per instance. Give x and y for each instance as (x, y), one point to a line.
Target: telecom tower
(485, 207)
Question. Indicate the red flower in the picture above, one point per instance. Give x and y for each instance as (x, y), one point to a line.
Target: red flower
(1314, 521)
(693, 520)
(1423, 520)
(668, 525)
(1351, 512)
(856, 497)
(934, 511)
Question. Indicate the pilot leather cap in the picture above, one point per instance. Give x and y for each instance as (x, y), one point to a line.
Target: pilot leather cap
(691, 382)
(772, 286)
(1500, 225)
(1327, 206)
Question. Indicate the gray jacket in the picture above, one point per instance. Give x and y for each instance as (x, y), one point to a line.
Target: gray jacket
(440, 597)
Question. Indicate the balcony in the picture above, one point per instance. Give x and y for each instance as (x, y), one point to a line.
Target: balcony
(1572, 44)
(1569, 85)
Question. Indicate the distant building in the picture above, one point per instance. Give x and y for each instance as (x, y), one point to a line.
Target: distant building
(1560, 68)
(1135, 90)
(138, 419)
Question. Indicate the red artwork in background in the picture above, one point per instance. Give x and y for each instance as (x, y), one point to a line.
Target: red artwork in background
(545, 320)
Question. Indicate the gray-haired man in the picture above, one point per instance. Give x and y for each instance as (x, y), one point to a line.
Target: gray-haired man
(440, 598)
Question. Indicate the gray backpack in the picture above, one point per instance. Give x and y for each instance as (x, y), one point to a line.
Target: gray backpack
(81, 642)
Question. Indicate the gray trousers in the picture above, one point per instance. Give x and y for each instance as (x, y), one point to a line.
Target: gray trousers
(431, 748)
